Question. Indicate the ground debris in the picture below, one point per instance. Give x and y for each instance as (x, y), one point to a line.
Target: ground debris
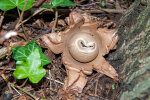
(99, 87)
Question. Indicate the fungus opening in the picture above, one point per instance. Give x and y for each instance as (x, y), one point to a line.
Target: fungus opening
(83, 47)
(87, 45)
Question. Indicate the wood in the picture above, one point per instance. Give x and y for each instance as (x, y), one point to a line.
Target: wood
(133, 54)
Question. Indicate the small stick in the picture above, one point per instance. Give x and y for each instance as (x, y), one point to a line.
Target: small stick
(56, 18)
(55, 81)
(8, 83)
(8, 69)
(21, 16)
(93, 82)
(2, 72)
(50, 84)
(52, 78)
(2, 18)
(15, 96)
(36, 12)
(96, 88)
(39, 3)
(24, 83)
(20, 20)
(35, 98)
(16, 90)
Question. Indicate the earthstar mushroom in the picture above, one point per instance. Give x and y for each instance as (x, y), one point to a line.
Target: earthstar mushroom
(83, 46)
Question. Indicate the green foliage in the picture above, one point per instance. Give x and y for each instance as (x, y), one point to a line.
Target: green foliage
(113, 87)
(61, 3)
(103, 2)
(30, 60)
(10, 4)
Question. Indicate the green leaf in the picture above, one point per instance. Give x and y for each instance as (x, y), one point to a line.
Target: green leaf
(20, 53)
(30, 68)
(10, 4)
(31, 46)
(30, 60)
(113, 87)
(47, 6)
(13, 49)
(44, 59)
(6, 5)
(61, 3)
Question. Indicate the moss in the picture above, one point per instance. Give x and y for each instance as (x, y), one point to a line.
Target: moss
(137, 90)
(145, 65)
(134, 49)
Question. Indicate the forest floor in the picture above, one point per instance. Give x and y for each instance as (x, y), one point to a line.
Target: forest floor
(98, 87)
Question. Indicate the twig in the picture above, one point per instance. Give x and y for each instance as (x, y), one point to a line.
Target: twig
(93, 82)
(8, 83)
(15, 96)
(3, 71)
(11, 64)
(16, 90)
(35, 13)
(28, 93)
(25, 35)
(50, 83)
(39, 3)
(96, 88)
(24, 83)
(43, 93)
(56, 18)
(40, 10)
(20, 20)
(21, 15)
(53, 78)
(8, 69)
(2, 18)
(55, 81)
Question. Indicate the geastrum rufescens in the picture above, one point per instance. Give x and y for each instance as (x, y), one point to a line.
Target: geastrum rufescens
(83, 46)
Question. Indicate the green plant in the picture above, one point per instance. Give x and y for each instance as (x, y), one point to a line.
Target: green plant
(10, 4)
(61, 3)
(29, 62)
(103, 3)
(55, 4)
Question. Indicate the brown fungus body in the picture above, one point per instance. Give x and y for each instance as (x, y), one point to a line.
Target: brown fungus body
(83, 46)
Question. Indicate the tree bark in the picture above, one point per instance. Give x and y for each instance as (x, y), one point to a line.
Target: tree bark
(133, 52)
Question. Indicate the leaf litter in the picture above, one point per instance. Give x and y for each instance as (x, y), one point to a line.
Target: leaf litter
(99, 87)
